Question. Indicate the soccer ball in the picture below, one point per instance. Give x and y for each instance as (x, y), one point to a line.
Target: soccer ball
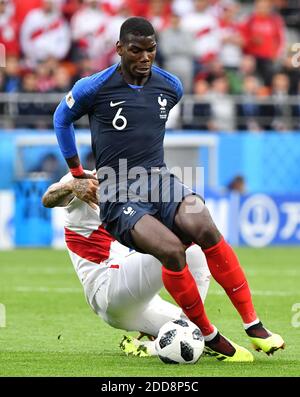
(179, 342)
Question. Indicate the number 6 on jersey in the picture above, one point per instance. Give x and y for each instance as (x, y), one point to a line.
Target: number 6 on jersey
(118, 117)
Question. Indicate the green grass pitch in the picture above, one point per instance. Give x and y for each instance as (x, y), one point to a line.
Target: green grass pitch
(51, 331)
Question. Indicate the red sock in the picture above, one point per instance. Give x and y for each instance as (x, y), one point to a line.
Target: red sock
(226, 270)
(182, 287)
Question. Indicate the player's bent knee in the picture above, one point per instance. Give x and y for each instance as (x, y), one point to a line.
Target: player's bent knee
(207, 235)
(173, 256)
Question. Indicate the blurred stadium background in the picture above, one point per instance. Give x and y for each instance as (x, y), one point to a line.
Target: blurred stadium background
(239, 119)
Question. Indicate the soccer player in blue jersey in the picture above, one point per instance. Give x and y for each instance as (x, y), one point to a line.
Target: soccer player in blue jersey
(128, 105)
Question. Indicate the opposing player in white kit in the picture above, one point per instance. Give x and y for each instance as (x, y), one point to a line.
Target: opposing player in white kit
(120, 285)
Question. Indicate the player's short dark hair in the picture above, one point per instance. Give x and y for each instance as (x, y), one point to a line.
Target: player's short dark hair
(136, 26)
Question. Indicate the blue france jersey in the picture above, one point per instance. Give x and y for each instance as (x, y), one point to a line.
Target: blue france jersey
(126, 122)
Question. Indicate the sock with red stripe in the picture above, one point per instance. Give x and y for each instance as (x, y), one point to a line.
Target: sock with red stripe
(226, 270)
(182, 287)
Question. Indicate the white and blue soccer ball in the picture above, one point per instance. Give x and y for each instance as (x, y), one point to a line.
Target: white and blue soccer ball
(179, 342)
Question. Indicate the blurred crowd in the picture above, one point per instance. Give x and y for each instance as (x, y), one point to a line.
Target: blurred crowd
(220, 49)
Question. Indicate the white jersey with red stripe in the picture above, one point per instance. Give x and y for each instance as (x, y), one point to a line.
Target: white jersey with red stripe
(205, 30)
(89, 244)
(122, 285)
(45, 35)
(82, 224)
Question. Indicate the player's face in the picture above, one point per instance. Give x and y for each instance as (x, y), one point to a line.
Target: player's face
(138, 54)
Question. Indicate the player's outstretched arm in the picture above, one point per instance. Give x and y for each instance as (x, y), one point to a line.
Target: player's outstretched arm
(60, 194)
(76, 104)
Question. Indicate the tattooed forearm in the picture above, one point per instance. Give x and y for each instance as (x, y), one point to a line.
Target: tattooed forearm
(58, 195)
(80, 187)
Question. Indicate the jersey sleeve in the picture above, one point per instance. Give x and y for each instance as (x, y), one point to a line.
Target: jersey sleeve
(75, 104)
(173, 81)
(178, 88)
(66, 178)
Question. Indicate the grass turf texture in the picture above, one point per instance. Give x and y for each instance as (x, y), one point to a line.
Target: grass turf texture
(51, 331)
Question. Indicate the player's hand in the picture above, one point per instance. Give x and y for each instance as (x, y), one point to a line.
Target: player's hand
(86, 190)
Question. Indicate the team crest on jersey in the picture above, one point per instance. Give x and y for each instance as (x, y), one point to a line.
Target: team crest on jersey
(70, 100)
(129, 211)
(162, 103)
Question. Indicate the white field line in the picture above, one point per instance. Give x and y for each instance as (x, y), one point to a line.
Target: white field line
(66, 290)
(60, 290)
(56, 270)
(39, 270)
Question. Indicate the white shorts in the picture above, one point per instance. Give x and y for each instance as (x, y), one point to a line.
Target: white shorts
(124, 291)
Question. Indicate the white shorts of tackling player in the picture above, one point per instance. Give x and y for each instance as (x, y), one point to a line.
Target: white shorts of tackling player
(124, 291)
